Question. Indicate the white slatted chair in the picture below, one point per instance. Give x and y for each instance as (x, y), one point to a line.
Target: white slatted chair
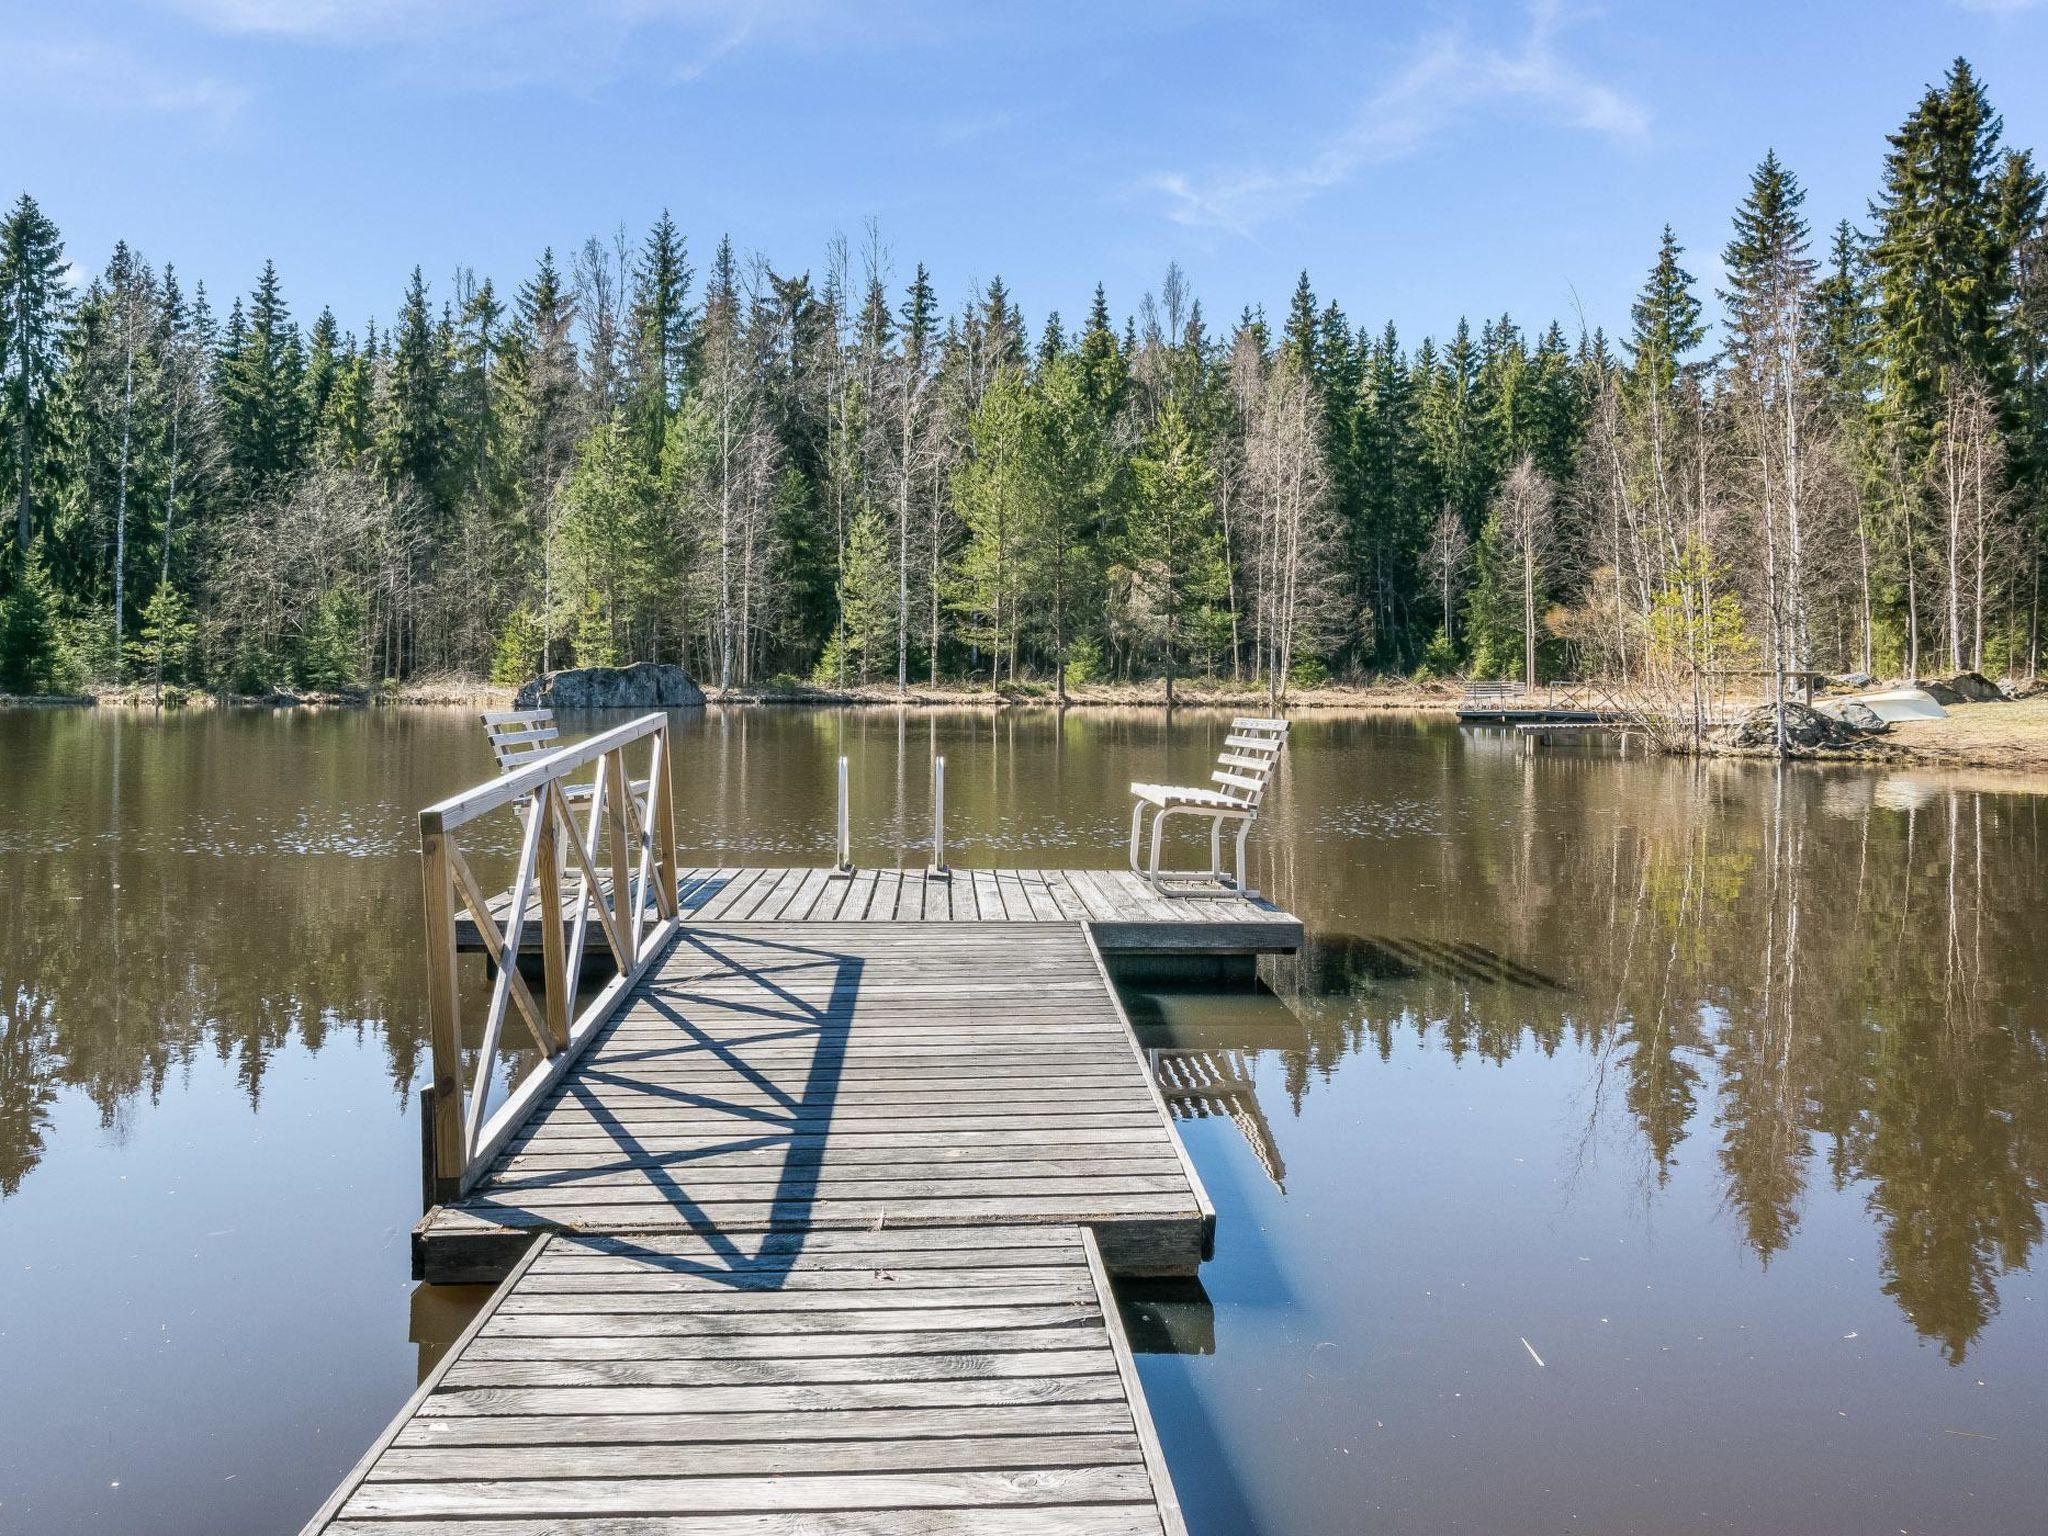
(518, 736)
(1243, 769)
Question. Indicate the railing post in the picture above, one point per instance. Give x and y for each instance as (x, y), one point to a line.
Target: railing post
(444, 1019)
(661, 772)
(939, 819)
(616, 791)
(844, 866)
(556, 991)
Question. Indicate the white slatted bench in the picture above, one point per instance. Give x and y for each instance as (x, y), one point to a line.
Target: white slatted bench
(1243, 769)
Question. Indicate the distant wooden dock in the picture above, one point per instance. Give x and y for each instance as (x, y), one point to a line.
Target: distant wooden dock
(1579, 704)
(804, 1217)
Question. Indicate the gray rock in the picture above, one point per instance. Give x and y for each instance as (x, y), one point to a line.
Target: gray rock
(1804, 729)
(647, 685)
(1858, 717)
(1966, 688)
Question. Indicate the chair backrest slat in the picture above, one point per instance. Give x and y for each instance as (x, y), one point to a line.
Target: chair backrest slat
(1250, 754)
(518, 736)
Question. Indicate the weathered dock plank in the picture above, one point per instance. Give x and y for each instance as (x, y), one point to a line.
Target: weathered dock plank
(999, 1398)
(1128, 916)
(769, 1077)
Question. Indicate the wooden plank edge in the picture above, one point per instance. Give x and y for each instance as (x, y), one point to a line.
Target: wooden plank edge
(1142, 1247)
(1164, 1496)
(1202, 1200)
(329, 1511)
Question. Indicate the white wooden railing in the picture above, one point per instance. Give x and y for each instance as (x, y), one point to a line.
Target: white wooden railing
(623, 826)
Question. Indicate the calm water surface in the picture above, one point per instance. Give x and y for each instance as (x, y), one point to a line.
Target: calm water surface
(1638, 1146)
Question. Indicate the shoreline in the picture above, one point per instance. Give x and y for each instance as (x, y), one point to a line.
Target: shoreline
(2007, 736)
(1426, 698)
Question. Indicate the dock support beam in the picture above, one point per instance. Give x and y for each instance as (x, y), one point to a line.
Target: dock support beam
(939, 820)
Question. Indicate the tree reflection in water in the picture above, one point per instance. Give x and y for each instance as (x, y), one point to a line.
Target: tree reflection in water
(1802, 968)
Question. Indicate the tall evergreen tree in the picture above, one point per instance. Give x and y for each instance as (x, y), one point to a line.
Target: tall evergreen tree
(416, 434)
(659, 321)
(1173, 547)
(261, 385)
(1939, 260)
(34, 302)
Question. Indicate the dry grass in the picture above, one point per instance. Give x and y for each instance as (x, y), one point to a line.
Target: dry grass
(2011, 735)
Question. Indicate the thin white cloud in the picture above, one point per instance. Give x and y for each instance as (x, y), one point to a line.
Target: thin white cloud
(113, 80)
(1448, 79)
(495, 44)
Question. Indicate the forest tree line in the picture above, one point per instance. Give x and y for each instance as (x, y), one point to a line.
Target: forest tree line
(768, 475)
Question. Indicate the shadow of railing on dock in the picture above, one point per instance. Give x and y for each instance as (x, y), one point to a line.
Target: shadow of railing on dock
(764, 1114)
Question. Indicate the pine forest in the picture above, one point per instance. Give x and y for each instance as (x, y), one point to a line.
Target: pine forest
(648, 448)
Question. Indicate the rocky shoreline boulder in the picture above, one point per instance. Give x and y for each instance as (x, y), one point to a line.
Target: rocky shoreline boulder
(1805, 729)
(647, 685)
(1966, 688)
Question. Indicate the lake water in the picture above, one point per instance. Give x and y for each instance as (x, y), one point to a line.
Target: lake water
(1638, 1145)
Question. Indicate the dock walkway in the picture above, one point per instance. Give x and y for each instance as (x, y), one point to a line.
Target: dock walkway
(821, 1076)
(934, 1382)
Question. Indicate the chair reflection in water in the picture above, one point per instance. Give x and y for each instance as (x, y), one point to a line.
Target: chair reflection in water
(1199, 1083)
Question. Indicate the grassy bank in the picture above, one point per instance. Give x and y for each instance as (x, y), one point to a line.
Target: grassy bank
(2011, 735)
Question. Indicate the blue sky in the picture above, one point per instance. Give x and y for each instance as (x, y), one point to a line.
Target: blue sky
(1421, 161)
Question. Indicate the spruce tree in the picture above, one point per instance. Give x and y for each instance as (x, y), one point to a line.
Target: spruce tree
(110, 456)
(1842, 320)
(1102, 360)
(1939, 259)
(347, 429)
(477, 396)
(660, 321)
(28, 625)
(416, 435)
(262, 393)
(323, 360)
(34, 302)
(1769, 305)
(919, 319)
(1172, 544)
(866, 597)
(1069, 462)
(1667, 321)
(1394, 518)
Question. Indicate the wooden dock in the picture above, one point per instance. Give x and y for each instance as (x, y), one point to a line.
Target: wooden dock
(803, 1218)
(940, 1382)
(1126, 916)
(822, 1076)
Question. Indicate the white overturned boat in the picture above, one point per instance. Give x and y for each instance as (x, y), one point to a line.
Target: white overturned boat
(1900, 704)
